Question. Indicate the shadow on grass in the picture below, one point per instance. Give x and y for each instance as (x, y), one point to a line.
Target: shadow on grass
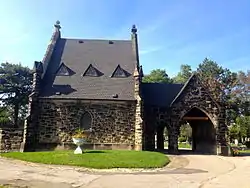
(244, 154)
(95, 151)
(185, 152)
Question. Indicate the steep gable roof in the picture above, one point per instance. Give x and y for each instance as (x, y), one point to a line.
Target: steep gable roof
(77, 54)
(193, 77)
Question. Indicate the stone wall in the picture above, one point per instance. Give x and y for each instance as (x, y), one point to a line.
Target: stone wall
(10, 139)
(113, 123)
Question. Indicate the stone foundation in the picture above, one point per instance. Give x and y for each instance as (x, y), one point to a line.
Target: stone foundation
(10, 139)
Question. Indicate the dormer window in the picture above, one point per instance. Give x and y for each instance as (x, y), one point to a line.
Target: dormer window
(120, 73)
(92, 71)
(63, 70)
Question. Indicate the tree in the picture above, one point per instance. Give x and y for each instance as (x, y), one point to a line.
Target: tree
(242, 93)
(244, 123)
(183, 75)
(234, 131)
(15, 87)
(220, 83)
(186, 132)
(157, 76)
(4, 116)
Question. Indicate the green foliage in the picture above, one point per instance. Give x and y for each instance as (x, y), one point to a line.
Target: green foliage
(242, 93)
(4, 116)
(184, 145)
(182, 139)
(235, 151)
(186, 132)
(15, 87)
(247, 143)
(244, 123)
(219, 80)
(95, 159)
(234, 131)
(183, 75)
(157, 76)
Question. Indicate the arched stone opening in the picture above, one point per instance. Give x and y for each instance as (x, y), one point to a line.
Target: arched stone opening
(203, 131)
(161, 137)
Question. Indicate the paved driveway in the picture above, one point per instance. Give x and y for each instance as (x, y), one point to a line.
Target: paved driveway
(186, 171)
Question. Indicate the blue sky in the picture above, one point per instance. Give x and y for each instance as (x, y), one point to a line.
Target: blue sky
(171, 32)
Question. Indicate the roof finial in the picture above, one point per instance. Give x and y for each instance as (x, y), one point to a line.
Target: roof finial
(134, 30)
(57, 25)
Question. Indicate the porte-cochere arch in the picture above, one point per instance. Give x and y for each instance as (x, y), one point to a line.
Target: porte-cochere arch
(194, 95)
(191, 96)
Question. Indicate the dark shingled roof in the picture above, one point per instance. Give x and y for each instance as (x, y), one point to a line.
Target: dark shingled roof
(159, 94)
(77, 57)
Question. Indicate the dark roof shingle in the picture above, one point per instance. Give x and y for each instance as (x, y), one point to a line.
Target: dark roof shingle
(78, 56)
(159, 94)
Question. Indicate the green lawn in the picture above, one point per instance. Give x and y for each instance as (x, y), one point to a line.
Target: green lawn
(180, 145)
(99, 159)
(245, 151)
(184, 145)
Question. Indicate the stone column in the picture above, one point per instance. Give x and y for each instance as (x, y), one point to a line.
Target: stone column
(138, 115)
(160, 138)
(221, 134)
(173, 138)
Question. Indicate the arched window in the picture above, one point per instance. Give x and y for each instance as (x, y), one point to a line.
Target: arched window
(86, 120)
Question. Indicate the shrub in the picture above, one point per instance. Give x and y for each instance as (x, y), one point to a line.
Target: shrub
(247, 143)
(235, 151)
(182, 139)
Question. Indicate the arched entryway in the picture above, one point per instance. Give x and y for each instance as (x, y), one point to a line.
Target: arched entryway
(203, 131)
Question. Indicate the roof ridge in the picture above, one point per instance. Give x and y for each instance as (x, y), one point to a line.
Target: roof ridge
(97, 39)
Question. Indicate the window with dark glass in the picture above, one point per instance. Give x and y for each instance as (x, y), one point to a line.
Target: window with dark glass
(86, 120)
(119, 72)
(92, 71)
(63, 70)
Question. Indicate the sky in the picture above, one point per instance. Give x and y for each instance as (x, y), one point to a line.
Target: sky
(171, 32)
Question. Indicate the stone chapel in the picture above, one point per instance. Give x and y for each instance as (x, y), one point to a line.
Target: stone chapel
(97, 84)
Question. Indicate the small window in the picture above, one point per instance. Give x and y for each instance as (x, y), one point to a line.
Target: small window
(86, 121)
(120, 73)
(92, 71)
(63, 70)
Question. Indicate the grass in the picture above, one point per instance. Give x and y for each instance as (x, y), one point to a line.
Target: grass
(245, 151)
(184, 145)
(180, 145)
(98, 159)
